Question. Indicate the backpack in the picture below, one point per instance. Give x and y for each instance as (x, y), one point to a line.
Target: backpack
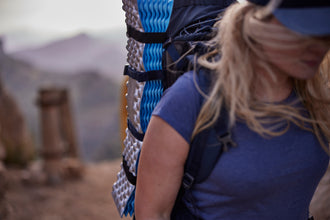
(163, 36)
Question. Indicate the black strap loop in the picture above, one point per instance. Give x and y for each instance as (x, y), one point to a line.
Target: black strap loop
(146, 37)
(187, 181)
(143, 76)
(134, 132)
(130, 177)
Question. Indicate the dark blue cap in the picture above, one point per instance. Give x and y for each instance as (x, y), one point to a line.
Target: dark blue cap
(306, 17)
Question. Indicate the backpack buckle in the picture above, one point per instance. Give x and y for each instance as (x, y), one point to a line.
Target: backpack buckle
(187, 181)
(227, 141)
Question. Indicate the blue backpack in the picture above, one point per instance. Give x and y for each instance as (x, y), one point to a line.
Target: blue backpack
(160, 49)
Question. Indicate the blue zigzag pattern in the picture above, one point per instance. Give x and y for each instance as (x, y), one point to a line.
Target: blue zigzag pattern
(155, 16)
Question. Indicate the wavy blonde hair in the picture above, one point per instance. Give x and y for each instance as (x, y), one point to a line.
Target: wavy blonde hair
(243, 30)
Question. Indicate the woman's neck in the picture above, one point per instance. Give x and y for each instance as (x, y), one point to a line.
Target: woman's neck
(272, 89)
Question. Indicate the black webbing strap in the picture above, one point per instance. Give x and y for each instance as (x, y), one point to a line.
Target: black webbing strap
(202, 159)
(130, 177)
(194, 159)
(174, 54)
(134, 132)
(143, 76)
(146, 37)
(178, 4)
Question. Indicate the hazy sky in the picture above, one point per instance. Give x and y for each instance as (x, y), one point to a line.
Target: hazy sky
(29, 23)
(60, 15)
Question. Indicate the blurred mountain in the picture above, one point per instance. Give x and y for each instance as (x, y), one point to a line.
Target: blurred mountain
(94, 97)
(78, 53)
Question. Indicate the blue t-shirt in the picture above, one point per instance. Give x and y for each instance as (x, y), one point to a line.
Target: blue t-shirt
(261, 178)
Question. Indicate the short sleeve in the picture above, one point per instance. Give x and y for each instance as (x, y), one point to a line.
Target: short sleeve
(180, 105)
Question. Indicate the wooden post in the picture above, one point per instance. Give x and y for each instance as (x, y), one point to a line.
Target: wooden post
(67, 122)
(52, 150)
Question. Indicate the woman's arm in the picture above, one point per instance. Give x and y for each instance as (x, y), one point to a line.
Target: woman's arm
(160, 171)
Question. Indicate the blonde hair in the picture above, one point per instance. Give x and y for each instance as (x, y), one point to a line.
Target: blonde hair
(242, 31)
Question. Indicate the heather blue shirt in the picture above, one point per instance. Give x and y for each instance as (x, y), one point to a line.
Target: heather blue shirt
(260, 179)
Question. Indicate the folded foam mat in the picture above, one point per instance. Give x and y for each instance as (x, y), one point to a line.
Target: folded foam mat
(123, 190)
(144, 16)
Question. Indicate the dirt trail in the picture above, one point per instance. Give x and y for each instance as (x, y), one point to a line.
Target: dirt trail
(90, 198)
(86, 199)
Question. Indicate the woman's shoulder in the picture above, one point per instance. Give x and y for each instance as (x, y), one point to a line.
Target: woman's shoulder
(184, 91)
(186, 79)
(181, 104)
(192, 81)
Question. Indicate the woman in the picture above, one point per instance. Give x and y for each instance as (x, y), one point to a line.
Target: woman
(278, 104)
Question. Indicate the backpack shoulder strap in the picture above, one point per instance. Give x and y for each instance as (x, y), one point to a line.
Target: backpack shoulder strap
(203, 156)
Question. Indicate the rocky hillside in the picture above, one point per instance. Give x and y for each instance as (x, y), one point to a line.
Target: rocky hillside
(94, 101)
(16, 145)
